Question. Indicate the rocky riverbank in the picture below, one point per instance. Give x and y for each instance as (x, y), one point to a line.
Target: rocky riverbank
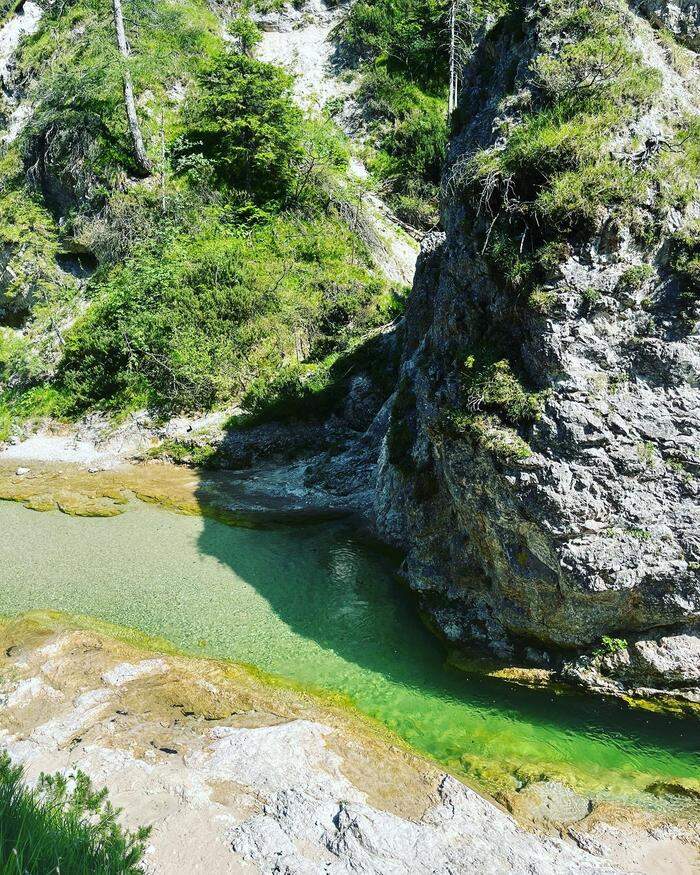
(239, 775)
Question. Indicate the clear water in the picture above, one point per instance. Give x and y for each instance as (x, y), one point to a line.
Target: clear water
(313, 604)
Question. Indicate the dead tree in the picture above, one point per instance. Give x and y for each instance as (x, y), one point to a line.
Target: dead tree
(460, 47)
(454, 84)
(143, 162)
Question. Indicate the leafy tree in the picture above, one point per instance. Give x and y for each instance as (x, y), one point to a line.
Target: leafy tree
(244, 121)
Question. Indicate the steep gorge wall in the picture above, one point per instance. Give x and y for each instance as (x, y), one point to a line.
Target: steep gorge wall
(542, 460)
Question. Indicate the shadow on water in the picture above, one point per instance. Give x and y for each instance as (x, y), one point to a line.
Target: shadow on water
(333, 589)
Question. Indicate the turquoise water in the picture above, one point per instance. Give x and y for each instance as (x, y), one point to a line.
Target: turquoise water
(314, 604)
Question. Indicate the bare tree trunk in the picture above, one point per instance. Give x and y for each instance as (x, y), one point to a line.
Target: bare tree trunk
(452, 100)
(142, 159)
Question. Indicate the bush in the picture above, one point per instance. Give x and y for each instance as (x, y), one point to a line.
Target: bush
(62, 826)
(191, 321)
(488, 434)
(408, 36)
(634, 278)
(296, 392)
(609, 646)
(492, 386)
(244, 121)
(17, 407)
(404, 50)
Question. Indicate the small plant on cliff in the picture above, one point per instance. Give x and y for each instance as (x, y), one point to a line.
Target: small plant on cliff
(492, 386)
(634, 278)
(609, 645)
(63, 825)
(494, 404)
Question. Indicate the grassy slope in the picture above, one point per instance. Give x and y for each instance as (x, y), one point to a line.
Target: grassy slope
(230, 262)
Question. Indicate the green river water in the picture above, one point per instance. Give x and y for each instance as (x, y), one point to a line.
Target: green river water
(313, 604)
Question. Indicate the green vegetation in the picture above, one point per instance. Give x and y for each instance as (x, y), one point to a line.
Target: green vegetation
(491, 385)
(555, 179)
(488, 433)
(590, 298)
(494, 406)
(196, 452)
(314, 389)
(242, 121)
(62, 826)
(231, 267)
(678, 56)
(634, 278)
(402, 50)
(33, 404)
(609, 645)
(191, 324)
(542, 301)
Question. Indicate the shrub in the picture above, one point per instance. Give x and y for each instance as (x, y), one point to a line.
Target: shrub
(542, 301)
(62, 825)
(411, 137)
(243, 120)
(491, 385)
(487, 433)
(408, 36)
(590, 298)
(17, 407)
(634, 278)
(609, 645)
(192, 320)
(296, 392)
(575, 201)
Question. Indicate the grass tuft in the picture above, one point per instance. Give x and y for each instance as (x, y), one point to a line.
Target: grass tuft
(63, 826)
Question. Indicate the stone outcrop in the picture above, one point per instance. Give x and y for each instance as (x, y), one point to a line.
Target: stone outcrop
(682, 19)
(236, 776)
(582, 521)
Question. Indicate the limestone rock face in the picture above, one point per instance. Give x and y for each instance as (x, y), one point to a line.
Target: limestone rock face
(681, 18)
(585, 521)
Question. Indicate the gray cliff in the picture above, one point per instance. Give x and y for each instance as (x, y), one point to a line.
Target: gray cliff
(542, 534)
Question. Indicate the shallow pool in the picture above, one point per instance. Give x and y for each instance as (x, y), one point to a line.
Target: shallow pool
(314, 604)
